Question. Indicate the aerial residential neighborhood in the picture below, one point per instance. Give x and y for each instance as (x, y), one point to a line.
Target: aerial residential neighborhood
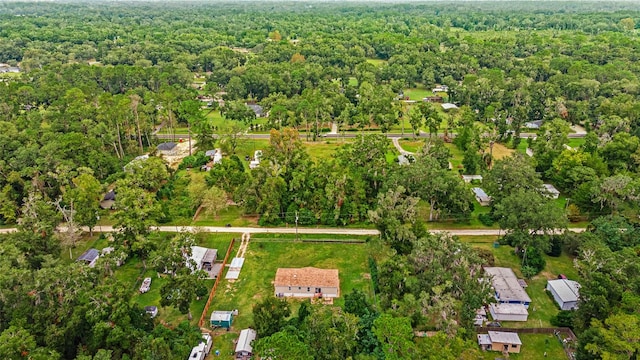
(363, 180)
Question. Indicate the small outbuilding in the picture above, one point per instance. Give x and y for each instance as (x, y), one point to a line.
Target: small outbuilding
(167, 148)
(481, 196)
(470, 178)
(257, 109)
(550, 191)
(151, 310)
(221, 319)
(565, 292)
(244, 346)
(234, 269)
(533, 124)
(307, 282)
(89, 257)
(108, 200)
(508, 312)
(449, 106)
(500, 341)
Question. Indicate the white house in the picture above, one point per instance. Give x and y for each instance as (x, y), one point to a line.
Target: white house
(307, 282)
(506, 287)
(508, 312)
(565, 292)
(244, 346)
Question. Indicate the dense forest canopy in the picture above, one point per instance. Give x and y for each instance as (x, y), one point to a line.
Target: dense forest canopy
(85, 87)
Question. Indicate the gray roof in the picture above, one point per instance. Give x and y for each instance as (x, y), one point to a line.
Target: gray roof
(567, 290)
(480, 194)
(111, 195)
(210, 153)
(533, 124)
(245, 339)
(448, 106)
(221, 315)
(550, 189)
(509, 309)
(402, 160)
(257, 109)
(150, 308)
(506, 285)
(484, 339)
(504, 337)
(166, 146)
(89, 255)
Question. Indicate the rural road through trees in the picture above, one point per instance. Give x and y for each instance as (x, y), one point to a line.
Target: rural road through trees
(292, 230)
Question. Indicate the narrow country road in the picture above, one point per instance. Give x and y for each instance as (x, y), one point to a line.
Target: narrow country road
(292, 230)
(396, 143)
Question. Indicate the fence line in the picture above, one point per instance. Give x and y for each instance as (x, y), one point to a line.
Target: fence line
(215, 284)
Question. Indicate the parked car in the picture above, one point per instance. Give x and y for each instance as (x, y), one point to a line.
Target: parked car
(146, 285)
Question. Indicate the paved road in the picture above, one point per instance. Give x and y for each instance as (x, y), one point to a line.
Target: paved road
(292, 230)
(353, 135)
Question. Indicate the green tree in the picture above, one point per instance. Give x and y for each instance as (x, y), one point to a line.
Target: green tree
(214, 200)
(283, 345)
(86, 196)
(269, 316)
(396, 336)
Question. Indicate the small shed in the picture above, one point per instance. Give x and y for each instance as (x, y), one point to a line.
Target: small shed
(470, 178)
(108, 200)
(481, 196)
(533, 124)
(167, 148)
(565, 292)
(551, 191)
(89, 257)
(222, 319)
(234, 269)
(500, 341)
(449, 106)
(244, 346)
(151, 310)
(509, 312)
(440, 88)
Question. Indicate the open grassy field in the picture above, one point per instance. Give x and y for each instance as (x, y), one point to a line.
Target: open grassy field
(265, 256)
(418, 93)
(325, 149)
(500, 151)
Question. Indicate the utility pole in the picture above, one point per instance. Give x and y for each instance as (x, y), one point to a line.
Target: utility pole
(297, 226)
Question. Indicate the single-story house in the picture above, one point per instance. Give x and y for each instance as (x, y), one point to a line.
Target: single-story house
(167, 148)
(500, 341)
(565, 292)
(151, 310)
(244, 347)
(481, 196)
(433, 99)
(89, 257)
(506, 288)
(470, 178)
(257, 109)
(449, 106)
(307, 282)
(551, 191)
(508, 312)
(200, 351)
(533, 124)
(223, 319)
(202, 257)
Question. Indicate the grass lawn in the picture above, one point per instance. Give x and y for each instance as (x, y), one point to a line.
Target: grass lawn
(264, 257)
(323, 149)
(458, 155)
(418, 93)
(377, 62)
(500, 151)
(232, 215)
(411, 145)
(353, 81)
(576, 142)
(533, 348)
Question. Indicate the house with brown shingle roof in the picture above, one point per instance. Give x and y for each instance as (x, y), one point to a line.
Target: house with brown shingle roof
(307, 282)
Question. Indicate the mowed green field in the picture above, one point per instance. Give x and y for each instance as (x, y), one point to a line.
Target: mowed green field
(264, 257)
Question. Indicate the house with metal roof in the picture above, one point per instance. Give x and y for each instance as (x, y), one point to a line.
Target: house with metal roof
(307, 282)
(508, 312)
(449, 106)
(167, 148)
(506, 288)
(500, 341)
(234, 269)
(565, 292)
(470, 178)
(481, 196)
(244, 346)
(89, 257)
(550, 191)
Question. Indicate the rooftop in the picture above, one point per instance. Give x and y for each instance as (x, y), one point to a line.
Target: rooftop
(506, 285)
(567, 290)
(480, 193)
(221, 315)
(448, 106)
(245, 339)
(511, 309)
(504, 337)
(550, 189)
(308, 276)
(167, 146)
(89, 255)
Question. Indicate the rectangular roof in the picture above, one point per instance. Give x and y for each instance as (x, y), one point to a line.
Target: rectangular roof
(307, 277)
(472, 177)
(567, 290)
(484, 339)
(210, 256)
(506, 285)
(550, 189)
(447, 106)
(245, 339)
(480, 193)
(509, 309)
(197, 254)
(504, 337)
(89, 255)
(221, 315)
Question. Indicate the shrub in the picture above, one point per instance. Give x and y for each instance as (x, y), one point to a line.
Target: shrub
(487, 256)
(556, 246)
(534, 259)
(486, 219)
(563, 319)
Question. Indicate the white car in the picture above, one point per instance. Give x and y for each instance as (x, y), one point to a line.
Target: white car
(146, 285)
